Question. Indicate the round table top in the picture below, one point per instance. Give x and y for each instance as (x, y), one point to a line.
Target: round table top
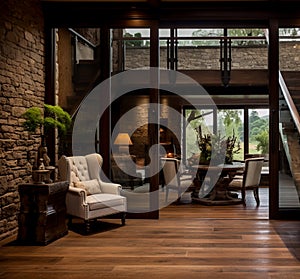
(225, 167)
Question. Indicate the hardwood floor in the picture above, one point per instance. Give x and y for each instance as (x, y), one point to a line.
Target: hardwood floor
(188, 241)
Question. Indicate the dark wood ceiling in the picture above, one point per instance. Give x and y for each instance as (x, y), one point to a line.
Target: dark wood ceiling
(177, 13)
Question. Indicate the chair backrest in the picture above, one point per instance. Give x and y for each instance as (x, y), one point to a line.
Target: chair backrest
(170, 167)
(252, 172)
(80, 168)
(124, 165)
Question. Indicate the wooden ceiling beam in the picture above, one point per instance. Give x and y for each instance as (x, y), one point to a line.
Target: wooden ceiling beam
(232, 13)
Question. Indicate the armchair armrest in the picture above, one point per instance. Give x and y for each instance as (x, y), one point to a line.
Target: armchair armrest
(77, 193)
(76, 202)
(110, 188)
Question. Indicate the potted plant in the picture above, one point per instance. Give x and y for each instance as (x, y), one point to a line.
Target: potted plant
(222, 147)
(46, 120)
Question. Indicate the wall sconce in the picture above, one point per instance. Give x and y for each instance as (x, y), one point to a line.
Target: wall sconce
(225, 59)
(123, 141)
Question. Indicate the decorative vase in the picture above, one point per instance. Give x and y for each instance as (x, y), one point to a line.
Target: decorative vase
(229, 159)
(203, 159)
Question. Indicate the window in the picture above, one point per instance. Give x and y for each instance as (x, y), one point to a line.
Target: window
(258, 131)
(229, 122)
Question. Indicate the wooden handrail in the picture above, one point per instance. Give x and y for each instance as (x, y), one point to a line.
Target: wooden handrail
(90, 44)
(291, 105)
(285, 145)
(287, 96)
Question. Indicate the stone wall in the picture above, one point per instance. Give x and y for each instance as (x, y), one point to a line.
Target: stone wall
(207, 58)
(22, 78)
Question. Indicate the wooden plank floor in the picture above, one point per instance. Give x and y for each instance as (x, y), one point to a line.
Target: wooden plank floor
(188, 241)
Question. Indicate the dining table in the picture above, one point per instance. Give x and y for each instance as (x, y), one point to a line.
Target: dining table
(211, 181)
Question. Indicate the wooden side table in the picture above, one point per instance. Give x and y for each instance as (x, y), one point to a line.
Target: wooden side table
(42, 217)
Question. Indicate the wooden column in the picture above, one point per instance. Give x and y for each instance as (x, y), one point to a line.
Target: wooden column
(246, 131)
(153, 136)
(274, 118)
(105, 55)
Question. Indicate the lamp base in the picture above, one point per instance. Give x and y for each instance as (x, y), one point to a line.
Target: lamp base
(124, 149)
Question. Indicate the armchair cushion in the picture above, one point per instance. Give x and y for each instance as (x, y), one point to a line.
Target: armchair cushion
(91, 186)
(99, 201)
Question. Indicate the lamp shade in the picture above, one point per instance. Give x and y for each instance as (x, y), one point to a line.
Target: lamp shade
(123, 139)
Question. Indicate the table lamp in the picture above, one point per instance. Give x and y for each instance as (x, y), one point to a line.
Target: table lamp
(123, 140)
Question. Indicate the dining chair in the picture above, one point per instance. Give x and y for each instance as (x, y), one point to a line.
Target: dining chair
(250, 179)
(174, 178)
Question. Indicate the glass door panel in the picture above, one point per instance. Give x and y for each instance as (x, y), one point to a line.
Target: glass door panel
(130, 118)
(289, 180)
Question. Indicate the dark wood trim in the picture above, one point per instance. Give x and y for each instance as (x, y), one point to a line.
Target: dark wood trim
(273, 62)
(230, 13)
(50, 55)
(241, 77)
(237, 90)
(246, 131)
(153, 116)
(105, 69)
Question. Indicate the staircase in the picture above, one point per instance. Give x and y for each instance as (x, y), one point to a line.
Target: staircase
(86, 75)
(86, 69)
(292, 80)
(289, 132)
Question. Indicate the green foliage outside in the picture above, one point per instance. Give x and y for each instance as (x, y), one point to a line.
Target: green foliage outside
(231, 33)
(263, 142)
(191, 136)
(133, 43)
(289, 31)
(259, 133)
(237, 32)
(230, 123)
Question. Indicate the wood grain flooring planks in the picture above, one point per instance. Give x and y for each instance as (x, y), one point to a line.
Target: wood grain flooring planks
(188, 241)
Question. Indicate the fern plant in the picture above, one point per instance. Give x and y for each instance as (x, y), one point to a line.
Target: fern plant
(52, 117)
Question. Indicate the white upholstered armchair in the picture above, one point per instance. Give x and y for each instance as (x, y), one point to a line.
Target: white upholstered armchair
(88, 196)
